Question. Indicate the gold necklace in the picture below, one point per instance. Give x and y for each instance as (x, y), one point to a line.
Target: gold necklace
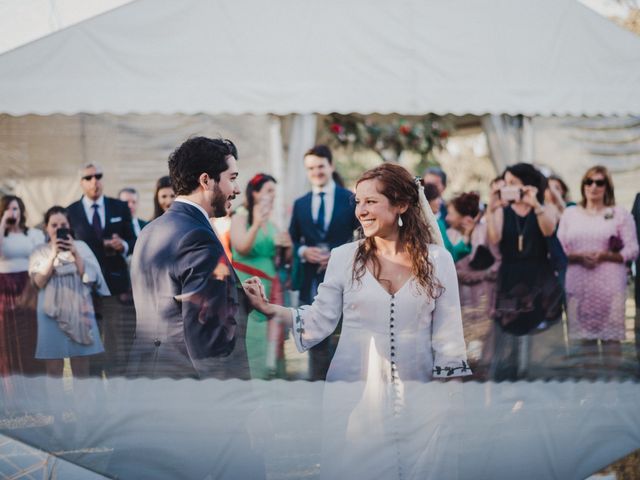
(520, 229)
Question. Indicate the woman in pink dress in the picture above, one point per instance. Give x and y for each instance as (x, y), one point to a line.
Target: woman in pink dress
(598, 238)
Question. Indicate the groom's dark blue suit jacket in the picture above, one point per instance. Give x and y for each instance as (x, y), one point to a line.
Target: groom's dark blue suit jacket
(303, 231)
(190, 307)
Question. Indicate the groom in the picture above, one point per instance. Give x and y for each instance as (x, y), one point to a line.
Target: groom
(190, 306)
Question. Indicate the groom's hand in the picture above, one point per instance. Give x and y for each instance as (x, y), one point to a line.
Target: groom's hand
(255, 285)
(254, 289)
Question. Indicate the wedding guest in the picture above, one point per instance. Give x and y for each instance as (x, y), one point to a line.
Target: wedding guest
(321, 220)
(104, 224)
(529, 297)
(461, 247)
(477, 273)
(66, 272)
(599, 237)
(129, 195)
(254, 242)
(17, 316)
(385, 351)
(163, 197)
(437, 177)
(635, 211)
(557, 194)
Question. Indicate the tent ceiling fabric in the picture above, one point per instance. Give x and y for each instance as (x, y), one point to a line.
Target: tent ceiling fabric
(22, 21)
(539, 57)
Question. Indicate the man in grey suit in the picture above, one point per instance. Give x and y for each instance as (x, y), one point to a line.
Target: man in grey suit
(190, 306)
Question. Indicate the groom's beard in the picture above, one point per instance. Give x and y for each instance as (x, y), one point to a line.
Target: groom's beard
(219, 203)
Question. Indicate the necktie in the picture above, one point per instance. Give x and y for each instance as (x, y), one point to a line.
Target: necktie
(320, 219)
(95, 221)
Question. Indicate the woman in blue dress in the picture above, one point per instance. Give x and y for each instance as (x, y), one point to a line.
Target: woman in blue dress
(65, 271)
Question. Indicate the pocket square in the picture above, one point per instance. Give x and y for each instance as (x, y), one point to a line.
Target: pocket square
(115, 219)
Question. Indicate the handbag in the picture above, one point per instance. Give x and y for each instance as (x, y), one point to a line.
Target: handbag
(482, 259)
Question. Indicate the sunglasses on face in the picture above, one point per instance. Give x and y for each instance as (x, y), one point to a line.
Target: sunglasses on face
(599, 183)
(88, 178)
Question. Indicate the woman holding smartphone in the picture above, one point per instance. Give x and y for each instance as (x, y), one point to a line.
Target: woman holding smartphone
(529, 296)
(255, 242)
(17, 320)
(66, 271)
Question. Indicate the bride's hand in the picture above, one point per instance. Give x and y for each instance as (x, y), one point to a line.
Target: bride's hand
(254, 284)
(256, 281)
(254, 289)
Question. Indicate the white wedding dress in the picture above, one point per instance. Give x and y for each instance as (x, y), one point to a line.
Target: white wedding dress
(387, 344)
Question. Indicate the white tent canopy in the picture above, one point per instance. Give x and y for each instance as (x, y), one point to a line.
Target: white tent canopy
(285, 56)
(22, 21)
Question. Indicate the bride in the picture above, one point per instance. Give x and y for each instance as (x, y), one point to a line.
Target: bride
(396, 291)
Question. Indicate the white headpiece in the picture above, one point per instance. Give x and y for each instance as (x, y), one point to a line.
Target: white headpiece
(428, 215)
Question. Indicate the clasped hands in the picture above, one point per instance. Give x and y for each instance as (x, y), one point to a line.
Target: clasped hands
(318, 256)
(115, 243)
(255, 291)
(591, 259)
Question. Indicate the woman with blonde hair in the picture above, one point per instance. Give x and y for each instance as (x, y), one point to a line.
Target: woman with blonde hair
(598, 237)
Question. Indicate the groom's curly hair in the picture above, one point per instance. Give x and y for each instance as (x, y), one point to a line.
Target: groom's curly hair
(196, 156)
(397, 184)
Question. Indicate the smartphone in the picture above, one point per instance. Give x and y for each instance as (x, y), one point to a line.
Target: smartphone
(511, 193)
(64, 234)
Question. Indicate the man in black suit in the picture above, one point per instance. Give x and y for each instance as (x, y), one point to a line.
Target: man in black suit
(104, 224)
(321, 220)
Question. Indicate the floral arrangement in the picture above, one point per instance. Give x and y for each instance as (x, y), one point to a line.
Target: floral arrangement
(389, 139)
(609, 213)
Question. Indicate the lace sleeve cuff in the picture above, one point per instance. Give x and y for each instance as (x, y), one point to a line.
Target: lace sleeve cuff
(298, 329)
(452, 369)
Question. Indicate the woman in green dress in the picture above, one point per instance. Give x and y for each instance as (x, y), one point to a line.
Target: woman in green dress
(255, 243)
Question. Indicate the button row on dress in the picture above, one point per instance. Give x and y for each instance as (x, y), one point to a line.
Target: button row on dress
(394, 377)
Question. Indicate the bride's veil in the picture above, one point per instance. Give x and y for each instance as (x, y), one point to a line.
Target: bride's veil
(429, 217)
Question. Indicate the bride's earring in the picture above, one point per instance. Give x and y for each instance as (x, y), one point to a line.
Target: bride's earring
(400, 223)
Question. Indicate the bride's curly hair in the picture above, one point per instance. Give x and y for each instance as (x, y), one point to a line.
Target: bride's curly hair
(397, 184)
